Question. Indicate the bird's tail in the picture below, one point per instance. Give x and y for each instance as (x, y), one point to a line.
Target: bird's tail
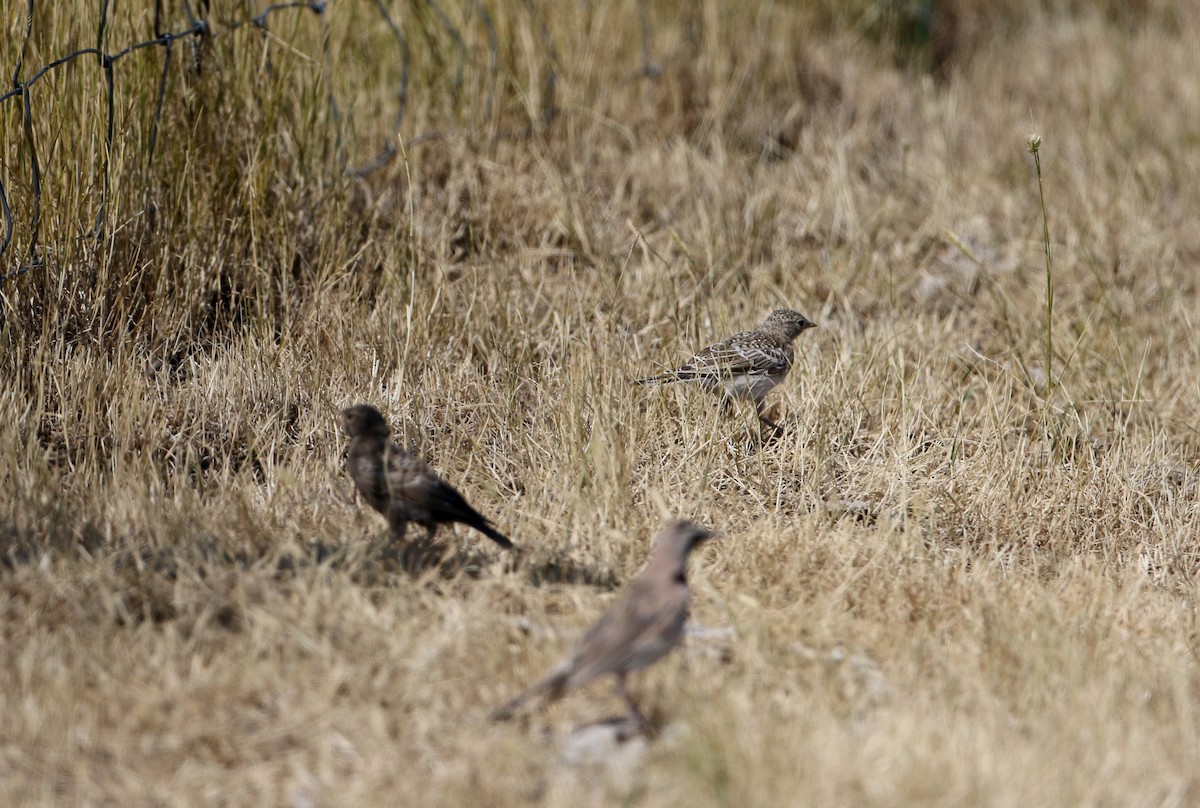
(493, 534)
(553, 685)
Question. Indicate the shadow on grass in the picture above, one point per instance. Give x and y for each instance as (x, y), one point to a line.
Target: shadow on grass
(383, 559)
(149, 579)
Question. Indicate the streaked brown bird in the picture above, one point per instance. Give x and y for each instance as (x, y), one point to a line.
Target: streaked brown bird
(645, 624)
(402, 486)
(746, 366)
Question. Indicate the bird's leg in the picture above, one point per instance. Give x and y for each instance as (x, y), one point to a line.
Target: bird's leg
(442, 552)
(768, 422)
(634, 720)
(388, 547)
(421, 554)
(763, 419)
(397, 528)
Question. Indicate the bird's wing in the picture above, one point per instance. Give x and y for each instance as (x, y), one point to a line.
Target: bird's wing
(747, 353)
(411, 478)
(408, 476)
(445, 499)
(646, 623)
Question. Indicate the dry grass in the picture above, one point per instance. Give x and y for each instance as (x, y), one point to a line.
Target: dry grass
(961, 577)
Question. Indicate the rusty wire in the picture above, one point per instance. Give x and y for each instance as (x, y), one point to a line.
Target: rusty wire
(196, 32)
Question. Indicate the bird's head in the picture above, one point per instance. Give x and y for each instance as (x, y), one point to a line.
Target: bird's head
(787, 322)
(678, 539)
(363, 419)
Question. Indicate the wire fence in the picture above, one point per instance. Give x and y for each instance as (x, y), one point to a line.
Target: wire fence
(198, 31)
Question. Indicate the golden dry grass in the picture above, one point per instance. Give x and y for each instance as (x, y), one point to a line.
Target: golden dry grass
(962, 577)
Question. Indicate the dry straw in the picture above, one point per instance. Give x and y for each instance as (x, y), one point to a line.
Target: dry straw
(942, 585)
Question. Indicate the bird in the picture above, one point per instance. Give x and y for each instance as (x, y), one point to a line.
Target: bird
(746, 366)
(640, 628)
(402, 486)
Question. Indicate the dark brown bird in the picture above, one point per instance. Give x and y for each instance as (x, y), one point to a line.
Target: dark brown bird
(645, 624)
(402, 486)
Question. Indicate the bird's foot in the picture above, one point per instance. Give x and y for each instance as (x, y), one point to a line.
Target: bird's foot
(631, 726)
(772, 430)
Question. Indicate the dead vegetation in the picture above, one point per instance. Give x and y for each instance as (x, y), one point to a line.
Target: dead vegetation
(964, 575)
